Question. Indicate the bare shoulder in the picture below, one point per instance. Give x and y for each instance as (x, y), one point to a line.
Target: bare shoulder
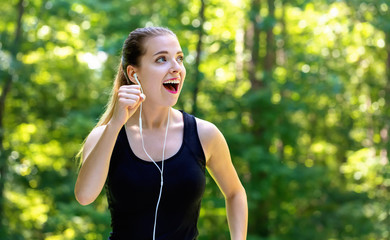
(209, 136)
(206, 129)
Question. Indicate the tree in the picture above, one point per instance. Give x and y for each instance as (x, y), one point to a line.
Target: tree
(10, 75)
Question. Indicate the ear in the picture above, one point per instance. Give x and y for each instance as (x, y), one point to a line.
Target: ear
(130, 72)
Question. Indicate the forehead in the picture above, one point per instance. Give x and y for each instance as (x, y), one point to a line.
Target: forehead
(160, 43)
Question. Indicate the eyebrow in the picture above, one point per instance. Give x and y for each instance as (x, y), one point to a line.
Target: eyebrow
(165, 52)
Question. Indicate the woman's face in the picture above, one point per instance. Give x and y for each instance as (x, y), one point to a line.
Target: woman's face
(161, 71)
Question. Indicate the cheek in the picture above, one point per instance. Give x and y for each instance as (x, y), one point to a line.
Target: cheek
(183, 73)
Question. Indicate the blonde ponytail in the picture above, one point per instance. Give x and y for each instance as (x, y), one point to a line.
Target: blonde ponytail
(109, 109)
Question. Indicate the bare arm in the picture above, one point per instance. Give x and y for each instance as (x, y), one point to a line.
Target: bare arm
(100, 144)
(93, 173)
(220, 166)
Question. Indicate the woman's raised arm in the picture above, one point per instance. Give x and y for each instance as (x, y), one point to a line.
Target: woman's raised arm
(100, 143)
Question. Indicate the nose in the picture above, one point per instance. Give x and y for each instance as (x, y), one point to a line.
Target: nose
(175, 67)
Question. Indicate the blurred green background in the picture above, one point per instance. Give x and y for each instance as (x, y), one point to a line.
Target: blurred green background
(300, 89)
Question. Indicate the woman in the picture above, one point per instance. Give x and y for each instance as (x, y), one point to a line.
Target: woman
(152, 158)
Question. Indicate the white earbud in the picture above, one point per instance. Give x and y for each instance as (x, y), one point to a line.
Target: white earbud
(136, 79)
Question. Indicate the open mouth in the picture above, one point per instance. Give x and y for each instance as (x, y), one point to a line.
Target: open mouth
(171, 85)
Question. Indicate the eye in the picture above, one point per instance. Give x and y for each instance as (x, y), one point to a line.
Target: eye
(180, 59)
(161, 59)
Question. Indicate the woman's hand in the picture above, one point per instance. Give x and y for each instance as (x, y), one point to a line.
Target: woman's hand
(128, 101)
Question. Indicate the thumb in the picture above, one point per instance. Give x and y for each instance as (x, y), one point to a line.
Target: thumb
(140, 100)
(143, 97)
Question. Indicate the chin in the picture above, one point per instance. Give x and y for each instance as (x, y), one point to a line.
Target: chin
(172, 103)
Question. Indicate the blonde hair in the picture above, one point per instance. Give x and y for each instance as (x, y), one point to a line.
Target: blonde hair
(133, 49)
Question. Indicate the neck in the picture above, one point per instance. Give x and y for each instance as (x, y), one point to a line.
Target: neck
(153, 117)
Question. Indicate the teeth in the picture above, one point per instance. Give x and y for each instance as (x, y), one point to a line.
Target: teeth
(172, 82)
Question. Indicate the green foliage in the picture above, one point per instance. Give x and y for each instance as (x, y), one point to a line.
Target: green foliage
(309, 138)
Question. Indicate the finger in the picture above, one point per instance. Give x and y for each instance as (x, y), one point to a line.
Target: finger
(140, 100)
(129, 96)
(130, 90)
(129, 87)
(128, 102)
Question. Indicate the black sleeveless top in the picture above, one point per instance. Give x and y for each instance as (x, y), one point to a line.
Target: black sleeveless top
(133, 186)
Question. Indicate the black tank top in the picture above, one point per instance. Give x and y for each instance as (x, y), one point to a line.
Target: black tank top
(133, 186)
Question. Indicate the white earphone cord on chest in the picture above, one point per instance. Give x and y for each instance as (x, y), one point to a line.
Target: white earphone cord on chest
(163, 156)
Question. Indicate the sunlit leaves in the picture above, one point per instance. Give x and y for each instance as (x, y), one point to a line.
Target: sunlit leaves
(37, 213)
(364, 167)
(309, 146)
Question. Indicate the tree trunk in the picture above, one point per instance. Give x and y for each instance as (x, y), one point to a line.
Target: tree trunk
(3, 155)
(197, 59)
(253, 43)
(239, 52)
(5, 91)
(385, 151)
(269, 60)
(281, 60)
(260, 221)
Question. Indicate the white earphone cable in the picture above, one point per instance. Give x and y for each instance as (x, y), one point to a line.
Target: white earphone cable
(163, 156)
(162, 164)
